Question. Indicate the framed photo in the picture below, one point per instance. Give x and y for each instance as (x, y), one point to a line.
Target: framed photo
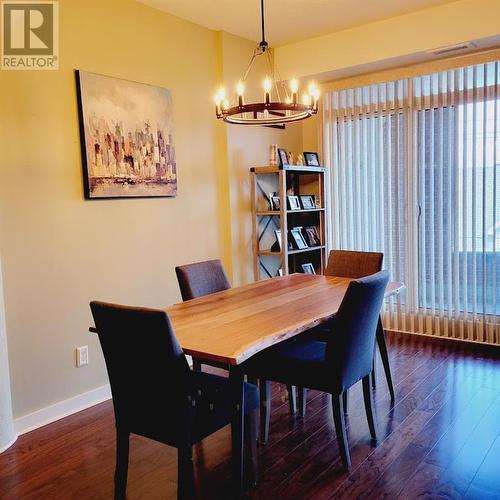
(283, 157)
(127, 138)
(311, 159)
(293, 202)
(307, 202)
(298, 239)
(312, 236)
(317, 201)
(275, 202)
(308, 268)
(277, 232)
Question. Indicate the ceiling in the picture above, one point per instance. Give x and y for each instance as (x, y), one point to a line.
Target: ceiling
(288, 20)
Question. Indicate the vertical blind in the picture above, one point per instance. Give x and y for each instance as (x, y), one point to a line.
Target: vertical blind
(415, 169)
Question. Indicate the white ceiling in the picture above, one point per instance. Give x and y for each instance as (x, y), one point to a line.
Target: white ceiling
(288, 20)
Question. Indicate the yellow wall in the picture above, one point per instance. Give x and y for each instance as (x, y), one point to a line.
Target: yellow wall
(59, 251)
(390, 39)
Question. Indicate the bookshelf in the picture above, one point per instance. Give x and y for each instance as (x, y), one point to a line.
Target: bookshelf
(279, 232)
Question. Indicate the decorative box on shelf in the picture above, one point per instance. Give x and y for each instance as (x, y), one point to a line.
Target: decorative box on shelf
(288, 214)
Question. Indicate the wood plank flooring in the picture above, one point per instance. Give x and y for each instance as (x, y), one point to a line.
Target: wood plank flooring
(440, 440)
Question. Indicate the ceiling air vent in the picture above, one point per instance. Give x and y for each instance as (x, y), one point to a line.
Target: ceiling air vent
(451, 48)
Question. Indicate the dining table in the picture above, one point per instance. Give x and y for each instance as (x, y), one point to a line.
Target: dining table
(233, 325)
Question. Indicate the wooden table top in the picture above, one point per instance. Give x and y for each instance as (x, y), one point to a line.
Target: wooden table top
(233, 325)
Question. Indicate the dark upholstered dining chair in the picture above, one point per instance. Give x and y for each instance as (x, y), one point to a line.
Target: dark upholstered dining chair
(333, 366)
(157, 396)
(352, 264)
(199, 279)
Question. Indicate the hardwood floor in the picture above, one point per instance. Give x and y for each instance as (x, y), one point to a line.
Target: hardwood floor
(440, 440)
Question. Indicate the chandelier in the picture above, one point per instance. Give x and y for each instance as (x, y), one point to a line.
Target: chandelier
(281, 103)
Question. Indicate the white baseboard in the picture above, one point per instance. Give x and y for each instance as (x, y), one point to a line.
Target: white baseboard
(64, 408)
(61, 409)
(9, 444)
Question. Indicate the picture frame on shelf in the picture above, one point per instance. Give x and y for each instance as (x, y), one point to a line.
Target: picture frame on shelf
(293, 202)
(298, 239)
(277, 245)
(275, 202)
(307, 202)
(308, 268)
(282, 157)
(277, 232)
(311, 159)
(312, 236)
(317, 201)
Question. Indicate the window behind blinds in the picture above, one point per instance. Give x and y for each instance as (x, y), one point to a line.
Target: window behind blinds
(415, 169)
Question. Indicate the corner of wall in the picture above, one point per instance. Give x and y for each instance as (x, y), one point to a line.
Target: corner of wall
(222, 169)
(7, 432)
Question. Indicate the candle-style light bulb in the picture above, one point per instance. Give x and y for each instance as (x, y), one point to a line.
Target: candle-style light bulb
(219, 98)
(268, 85)
(240, 90)
(294, 88)
(314, 92)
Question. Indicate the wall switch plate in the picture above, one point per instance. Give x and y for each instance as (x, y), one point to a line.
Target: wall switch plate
(82, 356)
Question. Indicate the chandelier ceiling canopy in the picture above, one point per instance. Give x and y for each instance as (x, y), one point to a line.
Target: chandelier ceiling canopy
(281, 102)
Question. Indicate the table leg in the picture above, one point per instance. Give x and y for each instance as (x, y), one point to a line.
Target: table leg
(237, 428)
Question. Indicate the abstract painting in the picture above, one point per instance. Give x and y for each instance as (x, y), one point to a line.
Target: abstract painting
(127, 138)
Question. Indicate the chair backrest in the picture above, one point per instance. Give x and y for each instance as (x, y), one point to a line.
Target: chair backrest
(147, 369)
(201, 278)
(351, 264)
(351, 346)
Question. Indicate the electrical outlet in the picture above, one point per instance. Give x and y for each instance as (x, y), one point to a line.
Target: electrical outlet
(82, 356)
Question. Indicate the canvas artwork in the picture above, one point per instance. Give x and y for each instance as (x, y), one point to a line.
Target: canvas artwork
(127, 138)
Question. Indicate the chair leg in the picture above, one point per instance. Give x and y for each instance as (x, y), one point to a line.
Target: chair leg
(338, 419)
(345, 401)
(292, 399)
(367, 395)
(265, 409)
(185, 474)
(382, 347)
(121, 470)
(302, 400)
(374, 369)
(196, 365)
(252, 424)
